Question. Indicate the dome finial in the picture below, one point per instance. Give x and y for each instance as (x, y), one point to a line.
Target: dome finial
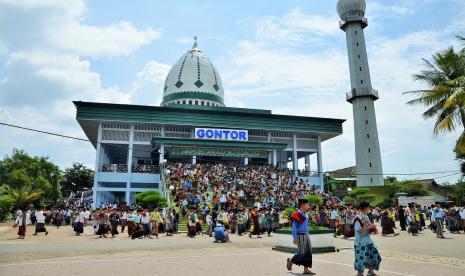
(195, 46)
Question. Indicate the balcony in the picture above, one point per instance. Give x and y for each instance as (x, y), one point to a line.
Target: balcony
(116, 168)
(362, 92)
(123, 168)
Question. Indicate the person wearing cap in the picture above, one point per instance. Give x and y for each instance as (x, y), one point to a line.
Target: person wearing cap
(299, 222)
(366, 252)
(221, 235)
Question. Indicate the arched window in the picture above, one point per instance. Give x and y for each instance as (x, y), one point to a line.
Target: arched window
(179, 102)
(203, 103)
(196, 102)
(190, 102)
(184, 102)
(208, 103)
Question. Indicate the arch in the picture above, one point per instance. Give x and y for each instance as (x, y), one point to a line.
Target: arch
(203, 103)
(208, 103)
(196, 102)
(190, 102)
(183, 102)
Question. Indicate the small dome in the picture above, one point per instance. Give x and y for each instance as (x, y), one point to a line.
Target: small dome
(351, 8)
(193, 80)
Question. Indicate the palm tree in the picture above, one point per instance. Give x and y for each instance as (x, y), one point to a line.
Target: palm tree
(445, 98)
(23, 196)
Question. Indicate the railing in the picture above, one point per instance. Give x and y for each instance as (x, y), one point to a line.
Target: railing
(123, 168)
(145, 169)
(117, 168)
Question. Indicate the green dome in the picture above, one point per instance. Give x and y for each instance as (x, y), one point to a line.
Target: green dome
(193, 80)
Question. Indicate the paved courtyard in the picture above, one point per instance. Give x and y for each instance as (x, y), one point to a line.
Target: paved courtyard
(62, 253)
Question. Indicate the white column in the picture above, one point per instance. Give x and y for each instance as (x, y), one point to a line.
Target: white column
(274, 158)
(194, 160)
(307, 163)
(320, 165)
(162, 131)
(246, 161)
(162, 155)
(295, 165)
(129, 163)
(97, 166)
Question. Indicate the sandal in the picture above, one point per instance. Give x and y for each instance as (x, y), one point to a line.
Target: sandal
(289, 264)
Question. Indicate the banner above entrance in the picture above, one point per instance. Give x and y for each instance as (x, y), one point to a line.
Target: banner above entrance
(221, 134)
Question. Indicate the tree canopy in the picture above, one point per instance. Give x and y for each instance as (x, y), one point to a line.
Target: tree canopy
(150, 199)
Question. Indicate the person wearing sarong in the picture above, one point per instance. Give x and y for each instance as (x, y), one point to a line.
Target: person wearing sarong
(255, 215)
(386, 224)
(138, 232)
(299, 222)
(114, 221)
(79, 223)
(123, 220)
(401, 214)
(40, 224)
(366, 252)
(130, 222)
(21, 223)
(58, 218)
(349, 219)
(439, 215)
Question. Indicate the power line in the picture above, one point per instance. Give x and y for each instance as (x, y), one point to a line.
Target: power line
(454, 172)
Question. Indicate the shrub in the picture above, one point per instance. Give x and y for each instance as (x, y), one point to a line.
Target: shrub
(6, 206)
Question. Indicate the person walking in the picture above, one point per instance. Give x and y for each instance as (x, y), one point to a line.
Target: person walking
(40, 224)
(366, 252)
(439, 219)
(299, 222)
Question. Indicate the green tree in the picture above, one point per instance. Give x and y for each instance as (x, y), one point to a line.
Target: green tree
(413, 188)
(459, 193)
(150, 199)
(78, 174)
(37, 172)
(314, 199)
(358, 195)
(6, 204)
(445, 98)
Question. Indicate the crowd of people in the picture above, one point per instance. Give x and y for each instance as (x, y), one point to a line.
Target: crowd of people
(217, 199)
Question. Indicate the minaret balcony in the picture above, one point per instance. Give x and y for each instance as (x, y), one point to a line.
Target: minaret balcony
(362, 92)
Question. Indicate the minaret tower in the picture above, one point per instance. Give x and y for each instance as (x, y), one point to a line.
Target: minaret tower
(362, 95)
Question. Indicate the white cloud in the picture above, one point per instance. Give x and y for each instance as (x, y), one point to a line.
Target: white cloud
(295, 27)
(149, 83)
(44, 44)
(312, 81)
(58, 26)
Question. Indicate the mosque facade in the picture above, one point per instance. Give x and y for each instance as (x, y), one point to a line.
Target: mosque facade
(193, 124)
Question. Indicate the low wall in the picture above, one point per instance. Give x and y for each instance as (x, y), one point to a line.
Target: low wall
(322, 241)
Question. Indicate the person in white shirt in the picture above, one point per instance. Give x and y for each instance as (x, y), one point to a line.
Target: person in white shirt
(124, 219)
(333, 218)
(462, 218)
(79, 222)
(209, 222)
(40, 224)
(86, 216)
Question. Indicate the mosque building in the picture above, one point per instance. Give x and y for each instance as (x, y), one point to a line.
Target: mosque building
(192, 124)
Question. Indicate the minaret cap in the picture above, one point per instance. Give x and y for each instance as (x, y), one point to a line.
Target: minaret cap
(195, 47)
(351, 8)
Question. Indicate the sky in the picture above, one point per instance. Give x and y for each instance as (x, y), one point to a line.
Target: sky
(287, 56)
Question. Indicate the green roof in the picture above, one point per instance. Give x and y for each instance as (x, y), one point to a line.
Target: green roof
(90, 113)
(217, 143)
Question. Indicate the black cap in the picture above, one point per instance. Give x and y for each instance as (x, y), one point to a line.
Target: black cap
(363, 205)
(303, 200)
